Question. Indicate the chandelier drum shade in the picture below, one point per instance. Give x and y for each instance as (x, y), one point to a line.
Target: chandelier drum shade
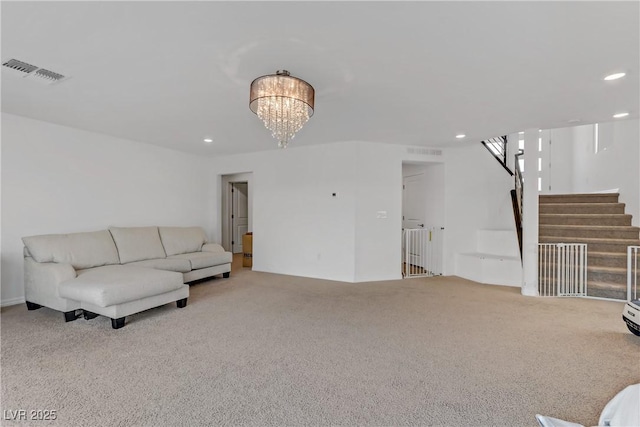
(284, 104)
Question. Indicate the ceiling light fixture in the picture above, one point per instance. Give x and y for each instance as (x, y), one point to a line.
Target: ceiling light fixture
(615, 76)
(620, 115)
(460, 136)
(284, 103)
(208, 140)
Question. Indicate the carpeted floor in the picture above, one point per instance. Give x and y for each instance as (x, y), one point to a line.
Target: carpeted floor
(263, 349)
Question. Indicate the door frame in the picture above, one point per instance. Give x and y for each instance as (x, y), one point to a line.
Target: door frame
(225, 205)
(434, 176)
(230, 212)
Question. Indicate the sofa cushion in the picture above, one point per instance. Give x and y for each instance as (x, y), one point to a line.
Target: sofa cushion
(205, 259)
(81, 250)
(169, 264)
(182, 240)
(212, 247)
(116, 284)
(137, 243)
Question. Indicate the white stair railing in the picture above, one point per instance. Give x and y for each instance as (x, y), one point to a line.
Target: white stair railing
(562, 269)
(633, 259)
(422, 252)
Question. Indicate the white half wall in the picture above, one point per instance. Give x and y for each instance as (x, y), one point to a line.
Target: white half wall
(57, 179)
(477, 197)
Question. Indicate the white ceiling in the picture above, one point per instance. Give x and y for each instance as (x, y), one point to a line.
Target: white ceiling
(172, 73)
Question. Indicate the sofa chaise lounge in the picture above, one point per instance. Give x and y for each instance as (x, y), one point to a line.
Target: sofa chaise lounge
(118, 272)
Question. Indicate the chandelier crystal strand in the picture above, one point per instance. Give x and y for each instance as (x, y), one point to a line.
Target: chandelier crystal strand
(283, 117)
(283, 103)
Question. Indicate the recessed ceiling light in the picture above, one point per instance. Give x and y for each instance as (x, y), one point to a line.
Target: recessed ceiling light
(208, 140)
(620, 115)
(460, 135)
(615, 76)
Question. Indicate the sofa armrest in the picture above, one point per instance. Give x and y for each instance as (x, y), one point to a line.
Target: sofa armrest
(41, 279)
(212, 247)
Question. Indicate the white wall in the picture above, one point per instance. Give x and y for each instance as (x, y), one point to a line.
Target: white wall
(57, 179)
(560, 161)
(378, 242)
(615, 167)
(301, 229)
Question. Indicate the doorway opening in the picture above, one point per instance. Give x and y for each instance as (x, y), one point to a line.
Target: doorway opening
(236, 210)
(423, 216)
(239, 215)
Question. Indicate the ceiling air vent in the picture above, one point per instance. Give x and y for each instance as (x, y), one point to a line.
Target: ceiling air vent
(19, 66)
(33, 72)
(424, 151)
(48, 75)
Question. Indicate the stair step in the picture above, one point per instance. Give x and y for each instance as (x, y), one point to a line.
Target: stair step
(590, 231)
(580, 198)
(606, 290)
(581, 208)
(585, 219)
(613, 275)
(595, 244)
(607, 259)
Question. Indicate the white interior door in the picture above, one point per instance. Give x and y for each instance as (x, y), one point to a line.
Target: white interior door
(413, 201)
(413, 212)
(239, 214)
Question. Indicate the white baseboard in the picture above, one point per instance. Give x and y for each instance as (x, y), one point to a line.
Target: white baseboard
(12, 301)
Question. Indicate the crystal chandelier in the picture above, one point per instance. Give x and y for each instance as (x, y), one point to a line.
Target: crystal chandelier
(284, 103)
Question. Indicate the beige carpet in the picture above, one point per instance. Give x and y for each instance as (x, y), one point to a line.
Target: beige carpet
(265, 350)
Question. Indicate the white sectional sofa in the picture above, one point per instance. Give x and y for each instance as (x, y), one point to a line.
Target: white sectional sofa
(118, 272)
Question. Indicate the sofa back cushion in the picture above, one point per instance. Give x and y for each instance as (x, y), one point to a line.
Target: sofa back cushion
(137, 243)
(182, 240)
(81, 250)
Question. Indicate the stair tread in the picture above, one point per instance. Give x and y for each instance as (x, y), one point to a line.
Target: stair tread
(589, 240)
(551, 196)
(596, 227)
(620, 255)
(585, 215)
(582, 204)
(606, 285)
(606, 269)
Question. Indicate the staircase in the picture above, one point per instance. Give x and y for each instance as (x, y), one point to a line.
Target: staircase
(599, 221)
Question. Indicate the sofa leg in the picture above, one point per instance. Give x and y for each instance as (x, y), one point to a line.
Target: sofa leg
(70, 316)
(88, 315)
(181, 303)
(226, 275)
(117, 323)
(33, 305)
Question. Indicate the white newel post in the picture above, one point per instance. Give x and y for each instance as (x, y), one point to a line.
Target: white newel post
(530, 214)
